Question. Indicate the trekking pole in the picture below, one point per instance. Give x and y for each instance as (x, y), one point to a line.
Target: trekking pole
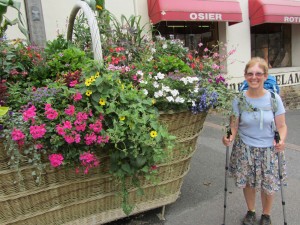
(277, 139)
(226, 171)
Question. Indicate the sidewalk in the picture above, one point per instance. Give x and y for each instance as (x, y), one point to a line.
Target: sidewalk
(202, 193)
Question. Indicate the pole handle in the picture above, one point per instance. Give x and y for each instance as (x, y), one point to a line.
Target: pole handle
(276, 137)
(228, 132)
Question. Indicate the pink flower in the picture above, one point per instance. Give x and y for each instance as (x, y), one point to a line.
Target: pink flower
(134, 77)
(39, 146)
(80, 126)
(56, 159)
(77, 138)
(96, 127)
(73, 83)
(51, 114)
(17, 135)
(88, 160)
(90, 138)
(47, 106)
(81, 116)
(60, 130)
(29, 113)
(70, 110)
(37, 131)
(77, 97)
(67, 125)
(69, 139)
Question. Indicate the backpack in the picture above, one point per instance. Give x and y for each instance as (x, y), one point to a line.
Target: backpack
(271, 85)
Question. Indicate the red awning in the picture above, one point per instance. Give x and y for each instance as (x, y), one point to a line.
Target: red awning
(194, 10)
(274, 11)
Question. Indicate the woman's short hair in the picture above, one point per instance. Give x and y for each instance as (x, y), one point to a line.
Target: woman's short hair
(261, 63)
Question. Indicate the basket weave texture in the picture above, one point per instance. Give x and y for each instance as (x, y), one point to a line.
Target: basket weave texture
(64, 197)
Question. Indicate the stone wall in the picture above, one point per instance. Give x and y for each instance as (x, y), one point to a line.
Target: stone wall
(291, 96)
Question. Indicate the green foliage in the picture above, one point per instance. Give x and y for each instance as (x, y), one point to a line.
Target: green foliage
(5, 22)
(70, 59)
(171, 63)
(57, 45)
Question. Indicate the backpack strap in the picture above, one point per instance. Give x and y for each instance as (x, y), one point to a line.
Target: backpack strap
(273, 108)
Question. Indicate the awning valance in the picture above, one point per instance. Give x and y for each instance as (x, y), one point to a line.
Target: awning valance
(274, 11)
(194, 10)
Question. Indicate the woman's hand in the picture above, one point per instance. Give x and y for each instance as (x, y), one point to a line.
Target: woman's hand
(227, 141)
(280, 146)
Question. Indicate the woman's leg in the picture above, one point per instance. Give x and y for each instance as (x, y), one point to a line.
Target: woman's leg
(267, 202)
(249, 194)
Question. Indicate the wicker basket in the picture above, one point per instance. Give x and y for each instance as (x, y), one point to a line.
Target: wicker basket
(64, 197)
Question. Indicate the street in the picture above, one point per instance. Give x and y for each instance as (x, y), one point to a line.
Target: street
(202, 194)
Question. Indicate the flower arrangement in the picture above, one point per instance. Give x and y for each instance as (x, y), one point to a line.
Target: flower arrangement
(76, 110)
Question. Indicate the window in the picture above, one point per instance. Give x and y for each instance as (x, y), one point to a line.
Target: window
(190, 32)
(273, 43)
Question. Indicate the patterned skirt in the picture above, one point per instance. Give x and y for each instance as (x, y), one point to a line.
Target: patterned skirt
(257, 167)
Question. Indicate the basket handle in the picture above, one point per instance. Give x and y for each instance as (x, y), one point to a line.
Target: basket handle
(94, 29)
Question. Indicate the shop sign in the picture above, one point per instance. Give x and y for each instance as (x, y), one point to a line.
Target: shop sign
(288, 79)
(291, 19)
(206, 16)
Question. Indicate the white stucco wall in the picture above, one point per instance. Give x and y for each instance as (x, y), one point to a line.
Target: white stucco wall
(238, 36)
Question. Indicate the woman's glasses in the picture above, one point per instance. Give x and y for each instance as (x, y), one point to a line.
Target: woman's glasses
(254, 74)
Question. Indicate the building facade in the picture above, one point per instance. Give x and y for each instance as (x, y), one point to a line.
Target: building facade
(265, 28)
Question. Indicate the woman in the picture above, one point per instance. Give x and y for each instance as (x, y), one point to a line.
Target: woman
(254, 162)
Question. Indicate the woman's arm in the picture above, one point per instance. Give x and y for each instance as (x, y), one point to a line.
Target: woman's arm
(282, 129)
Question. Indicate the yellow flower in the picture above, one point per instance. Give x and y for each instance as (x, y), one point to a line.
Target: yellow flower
(88, 82)
(122, 86)
(102, 101)
(122, 118)
(99, 7)
(92, 79)
(153, 134)
(88, 92)
(97, 75)
(153, 101)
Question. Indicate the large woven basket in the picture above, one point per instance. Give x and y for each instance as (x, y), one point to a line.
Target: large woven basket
(64, 197)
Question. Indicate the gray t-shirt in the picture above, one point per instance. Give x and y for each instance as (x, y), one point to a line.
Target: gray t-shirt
(253, 130)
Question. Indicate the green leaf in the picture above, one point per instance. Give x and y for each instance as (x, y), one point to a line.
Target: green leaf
(126, 168)
(3, 110)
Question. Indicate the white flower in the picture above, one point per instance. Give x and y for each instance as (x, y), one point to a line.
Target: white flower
(174, 92)
(160, 76)
(139, 72)
(145, 91)
(143, 82)
(153, 50)
(164, 46)
(165, 88)
(179, 99)
(184, 80)
(193, 79)
(158, 94)
(150, 59)
(193, 103)
(155, 84)
(170, 99)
